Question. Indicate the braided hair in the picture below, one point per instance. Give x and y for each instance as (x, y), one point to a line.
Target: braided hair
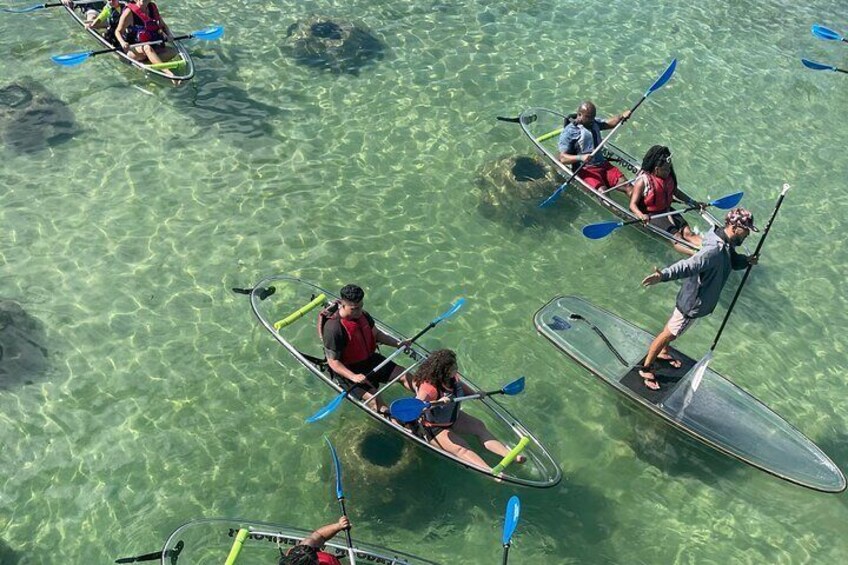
(658, 155)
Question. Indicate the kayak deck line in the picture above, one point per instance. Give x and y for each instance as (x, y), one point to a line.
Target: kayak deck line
(540, 470)
(719, 414)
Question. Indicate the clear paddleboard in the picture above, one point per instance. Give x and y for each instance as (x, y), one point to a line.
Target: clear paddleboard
(718, 413)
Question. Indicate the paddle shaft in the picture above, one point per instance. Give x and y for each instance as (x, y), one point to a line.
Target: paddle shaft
(429, 327)
(748, 269)
(347, 530)
(157, 42)
(394, 380)
(505, 554)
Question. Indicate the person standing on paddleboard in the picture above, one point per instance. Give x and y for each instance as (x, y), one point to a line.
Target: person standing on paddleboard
(704, 276)
(350, 343)
(579, 138)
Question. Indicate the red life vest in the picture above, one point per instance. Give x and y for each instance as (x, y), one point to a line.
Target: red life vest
(325, 558)
(444, 415)
(657, 195)
(360, 336)
(151, 28)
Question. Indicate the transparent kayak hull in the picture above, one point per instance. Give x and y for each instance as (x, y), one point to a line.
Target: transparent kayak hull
(543, 126)
(210, 540)
(300, 339)
(718, 412)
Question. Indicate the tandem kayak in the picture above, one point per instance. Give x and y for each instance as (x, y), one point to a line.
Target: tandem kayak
(543, 126)
(181, 65)
(294, 305)
(718, 413)
(214, 540)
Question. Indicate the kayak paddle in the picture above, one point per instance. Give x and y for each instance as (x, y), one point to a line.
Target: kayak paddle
(603, 229)
(659, 83)
(73, 59)
(155, 556)
(825, 33)
(46, 5)
(820, 67)
(700, 367)
(340, 496)
(513, 509)
(328, 409)
(409, 409)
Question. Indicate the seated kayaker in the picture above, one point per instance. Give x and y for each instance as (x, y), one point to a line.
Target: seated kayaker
(90, 11)
(350, 343)
(654, 191)
(443, 424)
(107, 20)
(308, 550)
(141, 22)
(580, 137)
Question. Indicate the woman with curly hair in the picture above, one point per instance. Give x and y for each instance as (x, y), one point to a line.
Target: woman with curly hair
(438, 382)
(654, 190)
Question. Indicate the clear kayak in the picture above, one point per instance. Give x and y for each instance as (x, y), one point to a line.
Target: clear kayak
(294, 305)
(181, 66)
(213, 540)
(543, 126)
(718, 413)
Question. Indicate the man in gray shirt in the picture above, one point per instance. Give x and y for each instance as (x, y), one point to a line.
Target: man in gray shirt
(704, 276)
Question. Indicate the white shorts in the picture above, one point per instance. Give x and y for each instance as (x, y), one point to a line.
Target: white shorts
(678, 323)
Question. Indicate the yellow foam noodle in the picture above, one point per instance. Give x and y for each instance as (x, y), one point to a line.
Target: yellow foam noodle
(166, 65)
(550, 134)
(317, 301)
(510, 457)
(236, 548)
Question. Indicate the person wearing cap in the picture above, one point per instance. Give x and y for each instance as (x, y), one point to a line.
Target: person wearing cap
(704, 275)
(579, 138)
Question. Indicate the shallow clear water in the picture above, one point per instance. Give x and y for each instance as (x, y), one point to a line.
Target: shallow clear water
(160, 399)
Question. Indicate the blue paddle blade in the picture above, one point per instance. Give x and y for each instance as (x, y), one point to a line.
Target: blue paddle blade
(824, 33)
(513, 510)
(514, 387)
(328, 409)
(71, 59)
(552, 198)
(664, 78)
(600, 230)
(209, 33)
(23, 10)
(817, 66)
(407, 409)
(453, 310)
(338, 466)
(729, 201)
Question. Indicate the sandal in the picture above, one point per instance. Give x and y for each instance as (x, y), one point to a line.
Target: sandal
(649, 379)
(676, 363)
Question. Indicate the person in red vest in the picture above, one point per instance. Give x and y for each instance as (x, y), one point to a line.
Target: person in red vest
(654, 191)
(350, 344)
(141, 23)
(308, 551)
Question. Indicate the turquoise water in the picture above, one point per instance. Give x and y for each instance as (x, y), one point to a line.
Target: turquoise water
(160, 399)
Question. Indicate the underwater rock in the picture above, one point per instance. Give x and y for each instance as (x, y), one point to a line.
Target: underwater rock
(379, 455)
(512, 186)
(22, 357)
(32, 119)
(336, 45)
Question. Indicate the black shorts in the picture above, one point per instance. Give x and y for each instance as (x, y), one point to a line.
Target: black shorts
(365, 367)
(671, 224)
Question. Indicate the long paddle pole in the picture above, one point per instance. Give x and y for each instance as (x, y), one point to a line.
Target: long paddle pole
(821, 67)
(663, 78)
(701, 367)
(340, 497)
